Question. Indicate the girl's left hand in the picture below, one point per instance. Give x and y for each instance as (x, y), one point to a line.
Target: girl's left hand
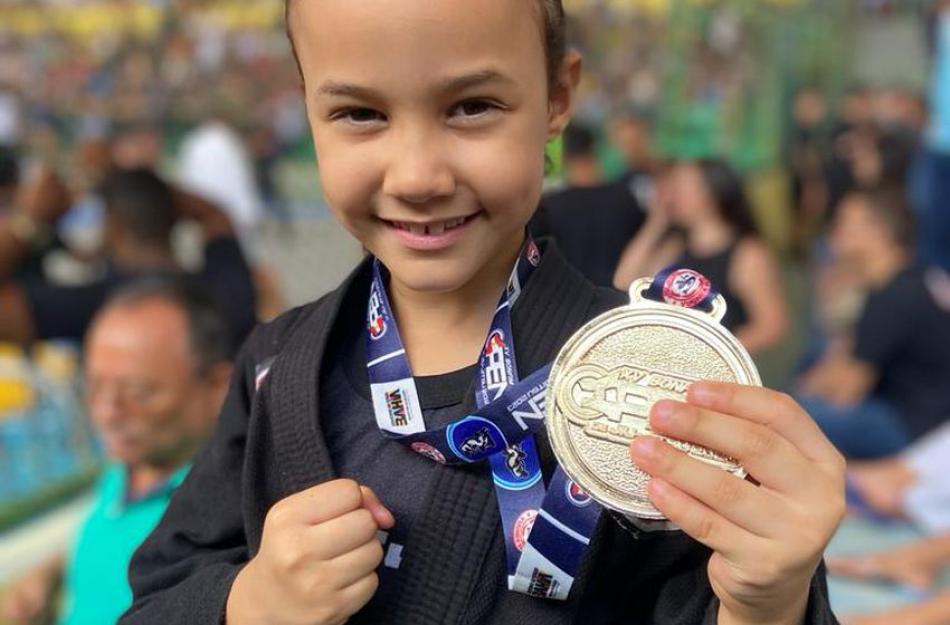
(768, 536)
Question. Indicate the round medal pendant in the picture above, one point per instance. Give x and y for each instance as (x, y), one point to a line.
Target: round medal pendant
(610, 373)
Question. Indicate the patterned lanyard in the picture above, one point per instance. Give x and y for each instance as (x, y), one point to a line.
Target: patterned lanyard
(546, 530)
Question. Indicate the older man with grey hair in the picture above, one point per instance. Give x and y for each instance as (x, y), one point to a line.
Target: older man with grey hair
(157, 365)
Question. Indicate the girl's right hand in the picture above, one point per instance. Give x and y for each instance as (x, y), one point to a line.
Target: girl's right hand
(318, 559)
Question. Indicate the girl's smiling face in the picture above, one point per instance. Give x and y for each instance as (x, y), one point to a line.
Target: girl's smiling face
(430, 119)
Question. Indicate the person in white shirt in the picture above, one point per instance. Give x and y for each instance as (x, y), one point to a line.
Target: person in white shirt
(215, 164)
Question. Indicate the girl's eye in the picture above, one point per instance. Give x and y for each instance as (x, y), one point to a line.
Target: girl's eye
(473, 108)
(358, 116)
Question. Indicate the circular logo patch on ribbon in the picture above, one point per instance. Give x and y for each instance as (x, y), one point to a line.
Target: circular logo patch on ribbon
(685, 287)
(576, 495)
(523, 527)
(475, 438)
(427, 450)
(534, 254)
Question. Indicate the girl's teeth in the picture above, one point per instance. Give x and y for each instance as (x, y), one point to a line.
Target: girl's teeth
(432, 230)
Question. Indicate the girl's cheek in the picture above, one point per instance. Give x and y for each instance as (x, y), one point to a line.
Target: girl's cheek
(509, 174)
(346, 180)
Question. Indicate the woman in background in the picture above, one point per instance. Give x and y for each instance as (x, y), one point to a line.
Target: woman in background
(701, 220)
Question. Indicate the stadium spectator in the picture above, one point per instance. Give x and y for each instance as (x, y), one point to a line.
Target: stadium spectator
(141, 210)
(157, 367)
(581, 164)
(888, 386)
(702, 221)
(590, 220)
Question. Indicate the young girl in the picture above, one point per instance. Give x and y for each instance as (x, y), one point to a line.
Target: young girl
(703, 222)
(430, 119)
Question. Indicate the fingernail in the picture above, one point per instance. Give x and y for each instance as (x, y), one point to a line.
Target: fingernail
(702, 393)
(644, 448)
(663, 413)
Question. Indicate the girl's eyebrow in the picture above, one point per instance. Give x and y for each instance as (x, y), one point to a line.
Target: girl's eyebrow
(344, 89)
(474, 79)
(448, 85)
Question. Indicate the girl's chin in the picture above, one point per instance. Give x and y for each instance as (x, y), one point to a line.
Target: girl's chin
(432, 275)
(445, 282)
(448, 270)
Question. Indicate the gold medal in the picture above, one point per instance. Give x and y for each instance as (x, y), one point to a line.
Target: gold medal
(611, 372)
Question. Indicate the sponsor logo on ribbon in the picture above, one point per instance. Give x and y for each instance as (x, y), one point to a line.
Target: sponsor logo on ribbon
(475, 438)
(495, 372)
(533, 253)
(576, 495)
(685, 287)
(398, 411)
(522, 528)
(376, 319)
(542, 584)
(515, 460)
(427, 450)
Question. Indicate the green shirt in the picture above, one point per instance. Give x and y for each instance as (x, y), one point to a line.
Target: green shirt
(96, 585)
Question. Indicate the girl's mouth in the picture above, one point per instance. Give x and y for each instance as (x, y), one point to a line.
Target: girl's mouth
(433, 235)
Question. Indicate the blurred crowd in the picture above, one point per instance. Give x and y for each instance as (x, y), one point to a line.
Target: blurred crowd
(108, 151)
(868, 181)
(61, 94)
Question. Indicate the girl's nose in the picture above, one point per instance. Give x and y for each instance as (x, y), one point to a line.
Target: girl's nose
(417, 173)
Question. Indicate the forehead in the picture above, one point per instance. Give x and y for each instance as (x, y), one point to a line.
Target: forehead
(405, 42)
(144, 336)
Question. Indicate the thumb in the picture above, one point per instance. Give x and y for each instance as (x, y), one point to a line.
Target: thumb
(384, 518)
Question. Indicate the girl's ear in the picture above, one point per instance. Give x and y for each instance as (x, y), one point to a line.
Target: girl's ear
(561, 99)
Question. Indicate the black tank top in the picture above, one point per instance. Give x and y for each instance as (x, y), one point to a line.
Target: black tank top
(716, 268)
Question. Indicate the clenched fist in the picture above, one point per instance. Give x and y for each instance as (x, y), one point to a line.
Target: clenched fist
(318, 559)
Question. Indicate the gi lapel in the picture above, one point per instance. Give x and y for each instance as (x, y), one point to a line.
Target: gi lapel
(301, 452)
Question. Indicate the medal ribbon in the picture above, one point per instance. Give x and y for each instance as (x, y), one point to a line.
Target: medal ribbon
(546, 530)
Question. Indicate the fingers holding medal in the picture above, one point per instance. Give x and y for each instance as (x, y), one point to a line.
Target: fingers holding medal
(791, 490)
(768, 535)
(610, 374)
(658, 412)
